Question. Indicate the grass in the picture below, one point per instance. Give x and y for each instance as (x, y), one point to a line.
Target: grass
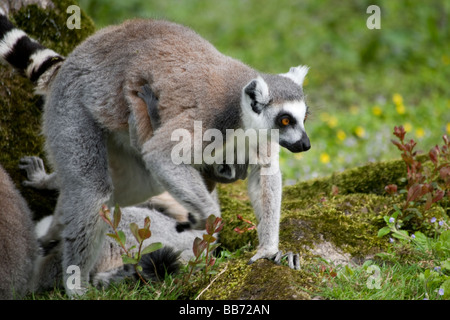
(389, 276)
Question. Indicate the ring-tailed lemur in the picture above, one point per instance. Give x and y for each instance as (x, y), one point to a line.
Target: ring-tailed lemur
(18, 244)
(99, 136)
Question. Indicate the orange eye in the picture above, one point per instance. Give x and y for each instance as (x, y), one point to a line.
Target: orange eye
(285, 121)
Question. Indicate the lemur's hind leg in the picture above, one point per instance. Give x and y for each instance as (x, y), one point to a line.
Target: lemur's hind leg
(79, 153)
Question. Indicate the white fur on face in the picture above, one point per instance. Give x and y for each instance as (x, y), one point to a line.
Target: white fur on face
(298, 110)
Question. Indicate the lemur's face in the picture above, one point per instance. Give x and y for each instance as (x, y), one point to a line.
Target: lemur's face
(277, 102)
(290, 121)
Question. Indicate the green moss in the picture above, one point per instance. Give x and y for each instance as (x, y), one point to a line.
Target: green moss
(371, 178)
(262, 280)
(20, 109)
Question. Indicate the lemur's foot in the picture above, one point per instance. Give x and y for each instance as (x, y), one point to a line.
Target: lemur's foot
(293, 259)
(193, 223)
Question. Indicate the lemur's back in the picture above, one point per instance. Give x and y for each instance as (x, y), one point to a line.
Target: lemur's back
(183, 70)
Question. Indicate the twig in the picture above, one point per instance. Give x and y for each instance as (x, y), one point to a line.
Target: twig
(207, 287)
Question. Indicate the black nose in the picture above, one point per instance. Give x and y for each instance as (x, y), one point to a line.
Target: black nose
(306, 144)
(301, 145)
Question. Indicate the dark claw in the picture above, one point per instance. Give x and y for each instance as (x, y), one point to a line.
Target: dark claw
(293, 259)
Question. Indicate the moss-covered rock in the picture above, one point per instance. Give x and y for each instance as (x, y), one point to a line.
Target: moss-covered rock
(20, 109)
(316, 219)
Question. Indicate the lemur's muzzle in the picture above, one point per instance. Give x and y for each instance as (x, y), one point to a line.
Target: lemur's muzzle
(301, 145)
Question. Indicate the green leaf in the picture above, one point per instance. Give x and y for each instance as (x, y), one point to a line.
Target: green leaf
(446, 264)
(122, 237)
(114, 236)
(128, 260)
(421, 238)
(383, 231)
(117, 216)
(134, 230)
(209, 238)
(214, 247)
(139, 268)
(446, 287)
(152, 247)
(401, 234)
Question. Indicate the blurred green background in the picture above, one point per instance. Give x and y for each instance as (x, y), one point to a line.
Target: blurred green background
(361, 82)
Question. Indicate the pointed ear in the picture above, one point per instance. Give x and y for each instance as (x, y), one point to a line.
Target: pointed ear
(297, 74)
(256, 93)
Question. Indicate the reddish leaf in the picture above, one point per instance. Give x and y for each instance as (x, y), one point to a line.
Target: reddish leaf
(199, 246)
(414, 192)
(399, 132)
(400, 146)
(439, 194)
(391, 189)
(144, 234)
(434, 155)
(238, 230)
(211, 261)
(147, 223)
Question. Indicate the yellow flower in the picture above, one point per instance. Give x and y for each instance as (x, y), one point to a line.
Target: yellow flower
(376, 110)
(400, 109)
(447, 128)
(341, 135)
(324, 116)
(408, 127)
(332, 122)
(446, 59)
(324, 157)
(397, 99)
(354, 109)
(420, 132)
(360, 132)
(298, 156)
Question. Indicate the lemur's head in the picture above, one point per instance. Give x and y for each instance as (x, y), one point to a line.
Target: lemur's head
(277, 102)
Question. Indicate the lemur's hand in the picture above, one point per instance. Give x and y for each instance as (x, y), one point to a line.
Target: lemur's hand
(293, 259)
(37, 177)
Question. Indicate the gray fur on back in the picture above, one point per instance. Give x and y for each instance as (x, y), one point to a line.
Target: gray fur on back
(18, 245)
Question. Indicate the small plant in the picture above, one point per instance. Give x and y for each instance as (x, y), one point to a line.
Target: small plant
(248, 225)
(140, 234)
(203, 248)
(425, 186)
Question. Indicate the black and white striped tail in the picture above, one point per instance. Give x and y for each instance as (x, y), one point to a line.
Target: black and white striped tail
(154, 265)
(35, 61)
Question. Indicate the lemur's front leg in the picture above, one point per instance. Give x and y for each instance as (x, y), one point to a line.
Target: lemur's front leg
(184, 183)
(265, 190)
(265, 194)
